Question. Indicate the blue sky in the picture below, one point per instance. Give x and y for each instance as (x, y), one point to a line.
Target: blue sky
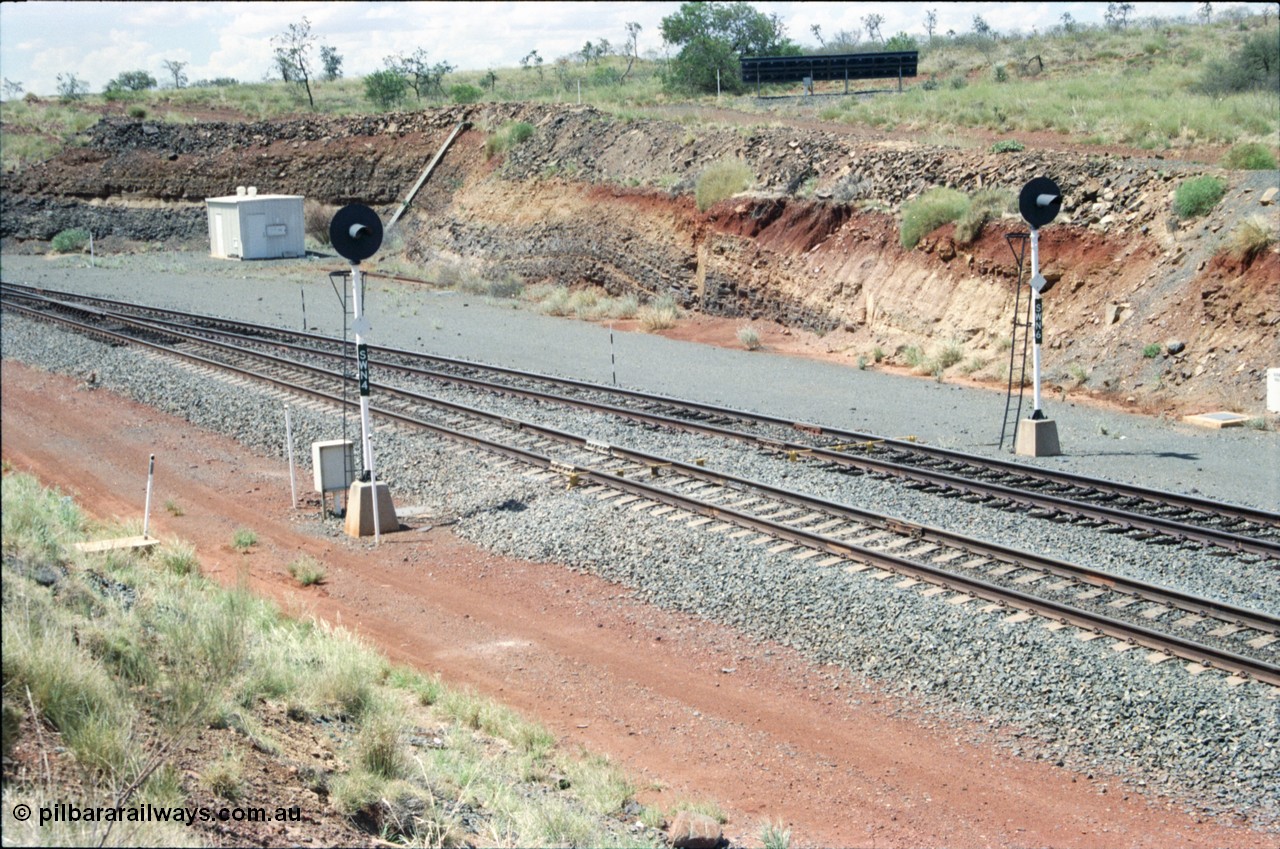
(97, 41)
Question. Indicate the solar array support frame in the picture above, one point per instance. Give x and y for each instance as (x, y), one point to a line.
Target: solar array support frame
(836, 66)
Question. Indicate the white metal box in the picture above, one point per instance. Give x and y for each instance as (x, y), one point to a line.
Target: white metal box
(253, 226)
(333, 465)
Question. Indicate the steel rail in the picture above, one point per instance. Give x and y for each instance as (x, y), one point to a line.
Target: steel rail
(1119, 629)
(1226, 510)
(1046, 501)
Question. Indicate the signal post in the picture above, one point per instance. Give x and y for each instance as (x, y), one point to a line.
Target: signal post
(1039, 203)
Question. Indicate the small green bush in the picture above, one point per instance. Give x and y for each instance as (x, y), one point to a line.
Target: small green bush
(949, 356)
(1008, 146)
(179, 558)
(659, 314)
(385, 88)
(70, 241)
(508, 137)
(508, 286)
(986, 205)
(1151, 351)
(464, 93)
(1250, 156)
(225, 777)
(520, 132)
(775, 836)
(749, 337)
(1250, 238)
(721, 180)
(306, 570)
(378, 748)
(1254, 67)
(929, 212)
(1198, 196)
(315, 220)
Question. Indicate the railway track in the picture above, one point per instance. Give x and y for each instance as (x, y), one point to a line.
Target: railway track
(1139, 512)
(830, 535)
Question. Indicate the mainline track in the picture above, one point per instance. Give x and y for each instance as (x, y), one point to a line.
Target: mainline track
(1046, 494)
(1201, 630)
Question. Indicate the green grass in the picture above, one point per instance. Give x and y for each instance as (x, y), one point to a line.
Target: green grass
(380, 748)
(721, 180)
(1092, 85)
(1151, 351)
(1249, 156)
(178, 558)
(1139, 86)
(70, 241)
(984, 206)
(225, 777)
(1198, 196)
(38, 524)
(510, 135)
(1251, 237)
(928, 212)
(306, 570)
(198, 658)
(948, 356)
(591, 303)
(17, 151)
(661, 313)
(775, 836)
(244, 539)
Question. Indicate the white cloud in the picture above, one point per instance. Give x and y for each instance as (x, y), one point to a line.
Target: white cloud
(98, 41)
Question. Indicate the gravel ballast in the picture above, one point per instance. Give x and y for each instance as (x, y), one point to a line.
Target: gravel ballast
(1075, 701)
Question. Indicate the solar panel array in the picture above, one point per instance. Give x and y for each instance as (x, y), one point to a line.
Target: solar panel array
(841, 66)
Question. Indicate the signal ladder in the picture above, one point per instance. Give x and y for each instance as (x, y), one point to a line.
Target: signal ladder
(1019, 337)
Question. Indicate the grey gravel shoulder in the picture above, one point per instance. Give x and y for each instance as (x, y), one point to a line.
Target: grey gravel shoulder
(1239, 465)
(1215, 746)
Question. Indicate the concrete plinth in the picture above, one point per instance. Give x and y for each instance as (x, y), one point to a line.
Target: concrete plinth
(1038, 438)
(359, 521)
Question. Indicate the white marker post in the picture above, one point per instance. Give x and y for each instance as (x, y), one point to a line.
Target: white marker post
(146, 510)
(288, 453)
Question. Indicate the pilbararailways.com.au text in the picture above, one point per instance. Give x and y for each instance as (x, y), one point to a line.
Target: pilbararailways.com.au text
(64, 812)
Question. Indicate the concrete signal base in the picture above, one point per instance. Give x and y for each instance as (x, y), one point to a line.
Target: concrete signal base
(359, 521)
(1038, 438)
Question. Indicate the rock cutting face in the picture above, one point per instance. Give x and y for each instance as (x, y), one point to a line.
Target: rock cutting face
(587, 199)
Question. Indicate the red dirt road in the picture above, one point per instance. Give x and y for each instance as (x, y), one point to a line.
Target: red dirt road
(690, 709)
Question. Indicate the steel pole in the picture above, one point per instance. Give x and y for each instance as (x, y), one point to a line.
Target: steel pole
(1035, 324)
(146, 510)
